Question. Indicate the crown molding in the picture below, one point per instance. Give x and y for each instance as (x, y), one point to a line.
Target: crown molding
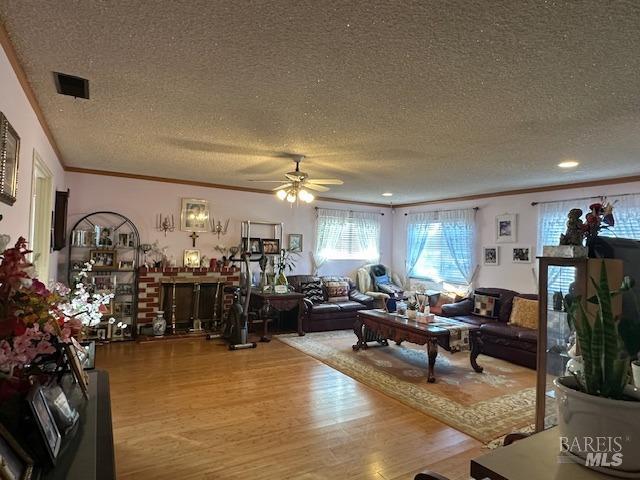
(10, 51)
(522, 191)
(196, 183)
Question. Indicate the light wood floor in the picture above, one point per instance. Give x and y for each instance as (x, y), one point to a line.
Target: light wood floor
(191, 409)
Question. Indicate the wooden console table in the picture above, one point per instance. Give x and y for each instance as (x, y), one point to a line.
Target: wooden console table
(537, 455)
(282, 302)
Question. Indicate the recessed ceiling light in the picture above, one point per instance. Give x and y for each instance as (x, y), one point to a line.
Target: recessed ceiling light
(568, 164)
(387, 194)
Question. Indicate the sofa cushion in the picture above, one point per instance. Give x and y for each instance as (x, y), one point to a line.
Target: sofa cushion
(485, 305)
(325, 308)
(474, 319)
(524, 313)
(337, 291)
(313, 291)
(499, 329)
(349, 306)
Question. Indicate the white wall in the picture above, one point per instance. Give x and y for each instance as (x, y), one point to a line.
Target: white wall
(16, 107)
(517, 277)
(141, 200)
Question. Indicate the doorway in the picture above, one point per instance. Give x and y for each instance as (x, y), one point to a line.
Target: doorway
(40, 218)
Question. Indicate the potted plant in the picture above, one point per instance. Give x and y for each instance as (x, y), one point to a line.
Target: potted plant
(284, 262)
(598, 414)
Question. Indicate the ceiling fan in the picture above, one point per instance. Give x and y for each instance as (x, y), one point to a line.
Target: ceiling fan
(297, 184)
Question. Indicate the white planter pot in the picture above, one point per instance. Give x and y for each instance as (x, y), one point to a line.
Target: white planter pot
(583, 420)
(159, 324)
(635, 369)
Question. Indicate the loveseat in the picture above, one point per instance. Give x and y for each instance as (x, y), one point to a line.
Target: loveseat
(322, 314)
(500, 339)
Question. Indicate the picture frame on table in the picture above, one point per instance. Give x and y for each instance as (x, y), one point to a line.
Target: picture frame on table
(104, 259)
(270, 246)
(521, 254)
(507, 228)
(124, 289)
(46, 423)
(191, 258)
(9, 161)
(295, 242)
(491, 256)
(126, 265)
(104, 236)
(254, 246)
(14, 461)
(194, 215)
(125, 239)
(89, 347)
(75, 365)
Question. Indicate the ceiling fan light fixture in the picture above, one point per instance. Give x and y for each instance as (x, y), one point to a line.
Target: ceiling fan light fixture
(305, 196)
(281, 194)
(291, 197)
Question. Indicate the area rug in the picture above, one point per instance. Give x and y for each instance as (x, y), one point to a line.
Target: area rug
(485, 405)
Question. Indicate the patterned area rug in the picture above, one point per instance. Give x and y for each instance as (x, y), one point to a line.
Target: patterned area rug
(484, 405)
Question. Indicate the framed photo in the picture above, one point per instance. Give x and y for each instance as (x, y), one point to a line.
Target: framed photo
(124, 289)
(270, 246)
(104, 236)
(491, 256)
(81, 238)
(103, 259)
(125, 239)
(191, 258)
(76, 368)
(9, 156)
(16, 463)
(89, 347)
(295, 242)
(194, 216)
(521, 254)
(103, 281)
(126, 265)
(46, 423)
(255, 246)
(506, 228)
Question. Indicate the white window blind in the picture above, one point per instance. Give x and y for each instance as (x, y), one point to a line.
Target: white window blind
(440, 246)
(344, 235)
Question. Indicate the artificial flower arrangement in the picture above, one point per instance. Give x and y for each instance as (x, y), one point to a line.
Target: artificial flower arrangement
(35, 321)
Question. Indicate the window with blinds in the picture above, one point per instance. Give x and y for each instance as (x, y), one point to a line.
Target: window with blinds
(351, 245)
(435, 262)
(343, 235)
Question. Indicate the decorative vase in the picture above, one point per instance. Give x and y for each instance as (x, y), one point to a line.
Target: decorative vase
(212, 263)
(281, 279)
(635, 369)
(583, 420)
(159, 324)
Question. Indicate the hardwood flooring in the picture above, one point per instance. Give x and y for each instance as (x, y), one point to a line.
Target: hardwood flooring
(191, 409)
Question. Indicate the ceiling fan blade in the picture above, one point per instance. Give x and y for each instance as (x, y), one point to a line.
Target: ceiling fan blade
(284, 185)
(325, 181)
(317, 188)
(266, 181)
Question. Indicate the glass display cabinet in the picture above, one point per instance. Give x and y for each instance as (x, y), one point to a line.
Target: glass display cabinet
(561, 279)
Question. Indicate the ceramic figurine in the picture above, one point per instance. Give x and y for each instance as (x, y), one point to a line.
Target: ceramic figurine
(575, 228)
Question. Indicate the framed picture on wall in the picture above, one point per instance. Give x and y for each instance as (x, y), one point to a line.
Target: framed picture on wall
(491, 256)
(506, 228)
(191, 258)
(295, 242)
(521, 254)
(9, 154)
(194, 216)
(270, 246)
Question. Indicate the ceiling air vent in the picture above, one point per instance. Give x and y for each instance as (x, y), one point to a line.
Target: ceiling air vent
(71, 85)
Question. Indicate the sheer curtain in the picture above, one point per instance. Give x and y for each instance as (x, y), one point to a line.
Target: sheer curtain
(366, 231)
(417, 228)
(458, 227)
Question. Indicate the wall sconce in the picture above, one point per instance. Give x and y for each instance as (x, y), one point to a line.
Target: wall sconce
(165, 224)
(218, 229)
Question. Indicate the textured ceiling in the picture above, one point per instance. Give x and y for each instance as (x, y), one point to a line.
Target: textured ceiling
(426, 99)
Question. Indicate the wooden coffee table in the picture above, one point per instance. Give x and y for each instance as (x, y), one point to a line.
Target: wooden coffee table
(400, 329)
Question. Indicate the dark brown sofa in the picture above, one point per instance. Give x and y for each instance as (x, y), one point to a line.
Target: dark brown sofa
(501, 340)
(327, 315)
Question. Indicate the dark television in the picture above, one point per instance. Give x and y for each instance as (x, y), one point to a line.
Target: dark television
(628, 251)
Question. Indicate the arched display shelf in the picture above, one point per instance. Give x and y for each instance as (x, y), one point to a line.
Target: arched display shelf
(113, 242)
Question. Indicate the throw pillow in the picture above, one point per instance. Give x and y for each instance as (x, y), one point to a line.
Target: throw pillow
(337, 291)
(382, 280)
(484, 305)
(524, 313)
(312, 291)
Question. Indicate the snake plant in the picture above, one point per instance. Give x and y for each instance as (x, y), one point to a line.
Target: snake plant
(606, 342)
